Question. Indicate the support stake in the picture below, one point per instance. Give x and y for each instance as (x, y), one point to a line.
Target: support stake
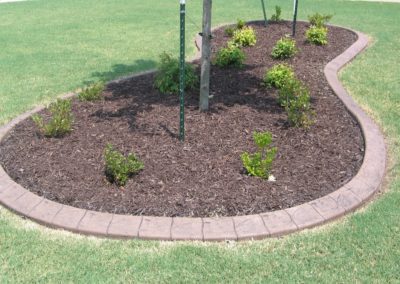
(182, 72)
(265, 14)
(296, 2)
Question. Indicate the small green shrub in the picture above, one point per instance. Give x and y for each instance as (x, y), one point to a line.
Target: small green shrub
(299, 111)
(277, 16)
(317, 35)
(295, 98)
(92, 92)
(230, 56)
(229, 31)
(278, 75)
(118, 167)
(290, 90)
(60, 122)
(245, 37)
(259, 164)
(319, 20)
(167, 77)
(240, 24)
(284, 48)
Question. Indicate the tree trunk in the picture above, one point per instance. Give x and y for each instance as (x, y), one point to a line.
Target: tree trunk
(205, 56)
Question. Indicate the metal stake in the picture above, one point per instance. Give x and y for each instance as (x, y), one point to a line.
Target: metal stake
(182, 72)
(265, 14)
(296, 2)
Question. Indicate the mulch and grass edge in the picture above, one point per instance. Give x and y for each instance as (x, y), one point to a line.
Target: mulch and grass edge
(349, 197)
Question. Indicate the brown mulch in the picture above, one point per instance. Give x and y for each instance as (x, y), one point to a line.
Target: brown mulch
(203, 176)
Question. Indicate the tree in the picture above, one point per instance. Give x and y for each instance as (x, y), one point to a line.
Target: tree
(205, 56)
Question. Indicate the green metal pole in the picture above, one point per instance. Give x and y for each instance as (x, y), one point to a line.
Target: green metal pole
(182, 72)
(296, 3)
(265, 14)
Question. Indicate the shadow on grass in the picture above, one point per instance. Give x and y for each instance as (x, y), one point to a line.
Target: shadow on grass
(120, 70)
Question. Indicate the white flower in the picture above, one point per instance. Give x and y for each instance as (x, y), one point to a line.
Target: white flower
(271, 178)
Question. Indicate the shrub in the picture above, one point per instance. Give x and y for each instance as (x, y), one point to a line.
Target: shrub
(245, 37)
(284, 48)
(60, 122)
(319, 20)
(259, 164)
(230, 56)
(92, 92)
(299, 111)
(277, 16)
(240, 24)
(278, 75)
(290, 90)
(167, 77)
(229, 31)
(317, 35)
(118, 167)
(295, 98)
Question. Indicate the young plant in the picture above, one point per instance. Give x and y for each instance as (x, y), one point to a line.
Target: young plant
(319, 20)
(278, 76)
(259, 164)
(167, 77)
(291, 89)
(92, 92)
(229, 31)
(230, 56)
(295, 98)
(284, 48)
(240, 24)
(277, 16)
(299, 111)
(118, 167)
(60, 122)
(245, 37)
(317, 35)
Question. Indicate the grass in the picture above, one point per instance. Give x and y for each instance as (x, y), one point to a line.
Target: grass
(50, 47)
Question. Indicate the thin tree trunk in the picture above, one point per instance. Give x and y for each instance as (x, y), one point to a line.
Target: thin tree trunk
(205, 56)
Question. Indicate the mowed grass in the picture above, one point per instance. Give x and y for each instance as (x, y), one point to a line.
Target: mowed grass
(51, 47)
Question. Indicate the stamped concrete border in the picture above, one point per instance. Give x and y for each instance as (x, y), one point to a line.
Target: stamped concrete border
(346, 199)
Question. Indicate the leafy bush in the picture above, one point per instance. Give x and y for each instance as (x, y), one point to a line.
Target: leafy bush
(278, 75)
(230, 56)
(60, 122)
(295, 98)
(277, 16)
(229, 31)
(167, 77)
(245, 37)
(240, 24)
(284, 48)
(319, 20)
(317, 35)
(259, 164)
(118, 167)
(92, 92)
(299, 111)
(290, 90)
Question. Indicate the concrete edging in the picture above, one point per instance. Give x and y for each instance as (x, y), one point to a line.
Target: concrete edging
(332, 206)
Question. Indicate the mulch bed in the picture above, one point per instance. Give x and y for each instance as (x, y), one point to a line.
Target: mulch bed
(203, 176)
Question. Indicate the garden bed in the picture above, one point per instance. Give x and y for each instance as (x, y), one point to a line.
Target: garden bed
(203, 176)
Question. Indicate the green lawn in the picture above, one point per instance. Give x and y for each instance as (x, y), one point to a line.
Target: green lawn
(49, 47)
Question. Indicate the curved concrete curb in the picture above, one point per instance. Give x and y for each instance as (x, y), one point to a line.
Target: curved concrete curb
(346, 199)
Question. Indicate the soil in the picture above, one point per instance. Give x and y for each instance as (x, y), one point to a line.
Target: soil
(204, 175)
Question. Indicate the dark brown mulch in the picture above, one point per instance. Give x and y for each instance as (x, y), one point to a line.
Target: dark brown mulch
(203, 176)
